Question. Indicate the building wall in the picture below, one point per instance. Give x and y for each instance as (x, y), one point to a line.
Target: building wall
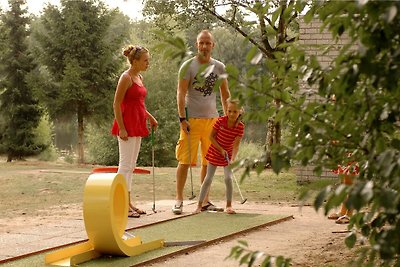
(321, 44)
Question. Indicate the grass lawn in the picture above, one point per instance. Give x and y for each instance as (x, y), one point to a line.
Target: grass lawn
(29, 187)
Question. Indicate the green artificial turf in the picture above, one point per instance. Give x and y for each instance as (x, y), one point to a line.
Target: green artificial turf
(203, 226)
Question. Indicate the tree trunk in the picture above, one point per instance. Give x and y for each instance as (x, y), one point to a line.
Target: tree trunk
(274, 136)
(81, 158)
(269, 141)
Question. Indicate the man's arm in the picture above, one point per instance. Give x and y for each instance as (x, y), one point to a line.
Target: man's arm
(225, 94)
(180, 99)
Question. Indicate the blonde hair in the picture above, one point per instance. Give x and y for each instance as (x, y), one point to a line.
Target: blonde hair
(235, 102)
(134, 52)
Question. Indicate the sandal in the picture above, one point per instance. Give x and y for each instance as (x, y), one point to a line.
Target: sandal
(133, 214)
(211, 207)
(343, 219)
(230, 211)
(334, 216)
(138, 210)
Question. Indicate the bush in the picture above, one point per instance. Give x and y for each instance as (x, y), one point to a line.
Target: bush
(249, 149)
(101, 145)
(44, 136)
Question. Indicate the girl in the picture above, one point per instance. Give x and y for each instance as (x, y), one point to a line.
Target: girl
(225, 139)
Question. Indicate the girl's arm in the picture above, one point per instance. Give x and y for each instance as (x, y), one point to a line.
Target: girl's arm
(236, 147)
(123, 85)
(215, 143)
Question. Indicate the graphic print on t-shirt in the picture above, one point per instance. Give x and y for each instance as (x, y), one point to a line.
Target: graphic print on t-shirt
(206, 86)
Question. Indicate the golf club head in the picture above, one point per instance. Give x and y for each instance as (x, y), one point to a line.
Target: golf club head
(244, 201)
(192, 197)
(154, 209)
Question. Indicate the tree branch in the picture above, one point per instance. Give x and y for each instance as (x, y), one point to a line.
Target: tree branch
(267, 53)
(265, 17)
(264, 35)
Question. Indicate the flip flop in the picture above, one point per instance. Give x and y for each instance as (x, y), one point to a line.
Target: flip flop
(138, 210)
(343, 220)
(133, 214)
(211, 207)
(334, 216)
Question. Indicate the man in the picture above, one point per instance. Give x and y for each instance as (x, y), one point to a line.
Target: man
(197, 78)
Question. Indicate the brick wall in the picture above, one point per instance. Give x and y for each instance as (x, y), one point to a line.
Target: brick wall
(315, 43)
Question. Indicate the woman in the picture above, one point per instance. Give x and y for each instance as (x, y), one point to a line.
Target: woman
(131, 115)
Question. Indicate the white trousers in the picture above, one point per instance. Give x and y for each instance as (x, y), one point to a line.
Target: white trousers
(128, 154)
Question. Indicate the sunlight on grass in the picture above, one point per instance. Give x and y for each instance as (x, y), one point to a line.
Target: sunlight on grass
(26, 187)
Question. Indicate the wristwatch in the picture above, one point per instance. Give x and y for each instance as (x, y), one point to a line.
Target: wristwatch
(182, 119)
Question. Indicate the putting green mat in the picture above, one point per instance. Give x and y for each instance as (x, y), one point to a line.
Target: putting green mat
(204, 226)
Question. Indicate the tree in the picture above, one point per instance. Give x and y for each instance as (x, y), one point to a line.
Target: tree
(364, 121)
(269, 31)
(20, 111)
(77, 45)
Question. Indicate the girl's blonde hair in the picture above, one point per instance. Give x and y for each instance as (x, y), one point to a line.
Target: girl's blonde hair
(134, 52)
(235, 102)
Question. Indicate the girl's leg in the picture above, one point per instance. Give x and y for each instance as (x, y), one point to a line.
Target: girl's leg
(344, 211)
(228, 185)
(205, 187)
(347, 180)
(229, 189)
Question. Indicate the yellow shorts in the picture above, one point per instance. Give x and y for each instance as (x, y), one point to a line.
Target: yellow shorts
(200, 130)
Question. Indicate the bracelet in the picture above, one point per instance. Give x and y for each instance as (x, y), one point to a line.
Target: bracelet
(182, 119)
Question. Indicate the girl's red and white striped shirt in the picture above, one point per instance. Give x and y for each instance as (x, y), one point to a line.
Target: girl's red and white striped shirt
(225, 137)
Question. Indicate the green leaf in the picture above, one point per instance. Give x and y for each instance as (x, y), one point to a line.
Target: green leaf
(266, 262)
(254, 256)
(245, 259)
(243, 243)
(365, 230)
(350, 240)
(395, 143)
(319, 200)
(251, 54)
(275, 15)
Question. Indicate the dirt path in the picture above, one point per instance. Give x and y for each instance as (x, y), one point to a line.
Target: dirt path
(309, 239)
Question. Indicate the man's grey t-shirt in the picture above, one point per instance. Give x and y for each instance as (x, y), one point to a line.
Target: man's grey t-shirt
(200, 98)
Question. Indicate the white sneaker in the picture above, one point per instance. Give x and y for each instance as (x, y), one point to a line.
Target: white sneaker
(177, 209)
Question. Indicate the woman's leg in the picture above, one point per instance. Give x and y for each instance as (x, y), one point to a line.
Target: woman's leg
(135, 153)
(128, 153)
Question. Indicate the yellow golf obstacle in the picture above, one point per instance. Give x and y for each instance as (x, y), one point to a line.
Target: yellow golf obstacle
(105, 213)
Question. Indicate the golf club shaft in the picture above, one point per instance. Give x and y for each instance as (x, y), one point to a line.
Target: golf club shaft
(152, 161)
(236, 182)
(190, 155)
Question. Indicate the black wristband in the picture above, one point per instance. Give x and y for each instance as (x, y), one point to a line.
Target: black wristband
(182, 119)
